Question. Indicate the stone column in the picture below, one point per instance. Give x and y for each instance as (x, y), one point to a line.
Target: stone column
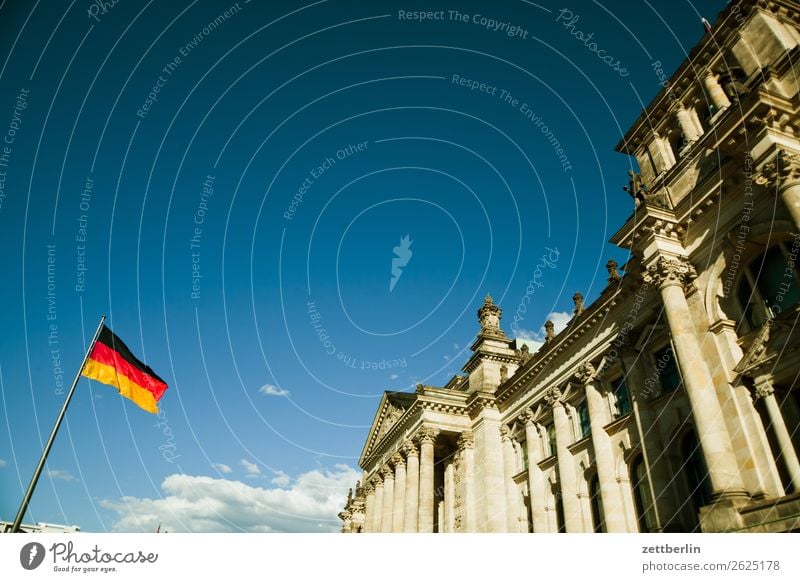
(466, 447)
(369, 508)
(536, 480)
(765, 391)
(398, 503)
(378, 513)
(783, 175)
(388, 499)
(613, 508)
(490, 485)
(427, 436)
(715, 91)
(687, 125)
(567, 477)
(412, 488)
(671, 275)
(509, 464)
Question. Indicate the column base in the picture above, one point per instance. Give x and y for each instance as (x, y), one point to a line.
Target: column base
(723, 514)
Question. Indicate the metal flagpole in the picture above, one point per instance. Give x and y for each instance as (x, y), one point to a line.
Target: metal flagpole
(29, 493)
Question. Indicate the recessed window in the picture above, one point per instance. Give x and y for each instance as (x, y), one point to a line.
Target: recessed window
(583, 416)
(622, 399)
(598, 519)
(769, 284)
(642, 496)
(667, 369)
(695, 471)
(551, 438)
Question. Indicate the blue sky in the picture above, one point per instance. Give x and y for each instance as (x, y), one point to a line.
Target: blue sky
(228, 182)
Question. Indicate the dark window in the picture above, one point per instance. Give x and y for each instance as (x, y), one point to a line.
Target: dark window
(694, 468)
(562, 528)
(667, 369)
(583, 416)
(598, 517)
(551, 438)
(622, 399)
(523, 448)
(769, 284)
(643, 498)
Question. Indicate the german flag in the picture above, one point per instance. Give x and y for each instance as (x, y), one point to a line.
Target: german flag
(112, 363)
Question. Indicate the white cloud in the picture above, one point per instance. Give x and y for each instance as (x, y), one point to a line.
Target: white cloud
(271, 390)
(560, 320)
(204, 504)
(223, 468)
(281, 479)
(2, 463)
(251, 468)
(59, 474)
(535, 339)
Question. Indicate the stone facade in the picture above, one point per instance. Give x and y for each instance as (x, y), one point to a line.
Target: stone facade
(671, 402)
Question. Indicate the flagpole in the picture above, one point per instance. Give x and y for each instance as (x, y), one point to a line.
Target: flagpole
(29, 493)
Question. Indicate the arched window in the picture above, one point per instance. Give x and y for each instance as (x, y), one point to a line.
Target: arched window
(694, 469)
(769, 284)
(642, 496)
(598, 517)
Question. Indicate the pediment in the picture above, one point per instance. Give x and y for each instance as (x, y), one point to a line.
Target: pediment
(391, 408)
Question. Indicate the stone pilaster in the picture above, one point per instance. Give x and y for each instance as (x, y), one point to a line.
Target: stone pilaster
(613, 508)
(427, 438)
(398, 503)
(449, 497)
(369, 508)
(766, 392)
(536, 480)
(783, 176)
(388, 499)
(466, 446)
(412, 488)
(378, 513)
(671, 275)
(567, 477)
(715, 91)
(509, 464)
(490, 485)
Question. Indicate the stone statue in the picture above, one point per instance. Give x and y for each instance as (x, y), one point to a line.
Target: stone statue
(613, 271)
(636, 187)
(549, 329)
(579, 308)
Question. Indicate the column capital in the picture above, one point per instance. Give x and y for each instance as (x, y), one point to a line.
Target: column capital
(427, 435)
(667, 272)
(781, 172)
(527, 416)
(553, 397)
(466, 440)
(762, 387)
(369, 489)
(397, 460)
(387, 473)
(586, 373)
(410, 449)
(377, 480)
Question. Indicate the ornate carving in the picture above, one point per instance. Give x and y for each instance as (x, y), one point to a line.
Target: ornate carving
(585, 373)
(641, 193)
(578, 300)
(410, 449)
(763, 388)
(466, 440)
(549, 329)
(503, 373)
(393, 414)
(527, 416)
(387, 473)
(377, 480)
(505, 434)
(524, 353)
(553, 396)
(666, 272)
(489, 317)
(369, 490)
(420, 388)
(755, 355)
(398, 461)
(613, 271)
(782, 171)
(427, 435)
